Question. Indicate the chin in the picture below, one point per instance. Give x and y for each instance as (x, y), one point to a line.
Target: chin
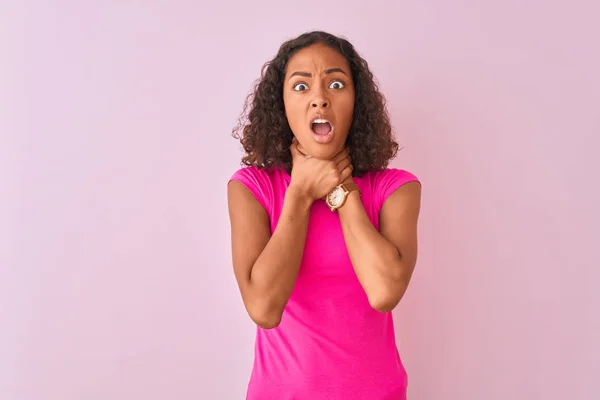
(323, 152)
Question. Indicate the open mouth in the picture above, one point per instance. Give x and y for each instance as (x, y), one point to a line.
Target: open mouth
(321, 127)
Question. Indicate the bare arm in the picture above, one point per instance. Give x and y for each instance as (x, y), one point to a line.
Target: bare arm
(265, 266)
(383, 261)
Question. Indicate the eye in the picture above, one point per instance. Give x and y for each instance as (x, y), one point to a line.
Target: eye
(300, 87)
(336, 85)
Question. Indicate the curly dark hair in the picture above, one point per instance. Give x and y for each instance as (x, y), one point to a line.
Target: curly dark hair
(263, 128)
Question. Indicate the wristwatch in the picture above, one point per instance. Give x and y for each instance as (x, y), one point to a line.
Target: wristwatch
(338, 195)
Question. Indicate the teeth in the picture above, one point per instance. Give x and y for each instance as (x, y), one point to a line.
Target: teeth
(320, 121)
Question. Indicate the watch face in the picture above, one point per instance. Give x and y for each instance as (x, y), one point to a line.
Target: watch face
(335, 197)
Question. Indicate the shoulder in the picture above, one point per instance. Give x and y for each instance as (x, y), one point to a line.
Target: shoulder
(381, 184)
(259, 181)
(249, 174)
(258, 176)
(385, 182)
(388, 175)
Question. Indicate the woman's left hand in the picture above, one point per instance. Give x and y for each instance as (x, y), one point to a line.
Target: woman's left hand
(349, 179)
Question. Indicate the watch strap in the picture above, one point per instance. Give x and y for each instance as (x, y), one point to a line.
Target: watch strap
(350, 186)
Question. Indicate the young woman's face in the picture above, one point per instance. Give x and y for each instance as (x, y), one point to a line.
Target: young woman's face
(318, 94)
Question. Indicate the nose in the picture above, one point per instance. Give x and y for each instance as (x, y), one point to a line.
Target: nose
(320, 101)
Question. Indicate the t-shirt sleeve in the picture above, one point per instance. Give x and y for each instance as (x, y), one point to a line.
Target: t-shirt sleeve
(257, 181)
(387, 181)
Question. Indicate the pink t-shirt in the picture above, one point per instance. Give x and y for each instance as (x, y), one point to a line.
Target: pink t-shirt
(331, 344)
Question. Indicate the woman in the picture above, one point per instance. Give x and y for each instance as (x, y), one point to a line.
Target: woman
(324, 236)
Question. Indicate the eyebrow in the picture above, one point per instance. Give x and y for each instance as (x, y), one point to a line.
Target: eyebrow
(309, 75)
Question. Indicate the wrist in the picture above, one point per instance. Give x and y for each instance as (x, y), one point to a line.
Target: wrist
(298, 197)
(352, 205)
(348, 180)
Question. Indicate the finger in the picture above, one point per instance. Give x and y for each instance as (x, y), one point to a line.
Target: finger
(335, 158)
(341, 155)
(301, 150)
(294, 148)
(346, 173)
(344, 164)
(297, 151)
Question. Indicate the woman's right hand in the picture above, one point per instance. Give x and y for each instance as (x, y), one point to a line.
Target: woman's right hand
(315, 178)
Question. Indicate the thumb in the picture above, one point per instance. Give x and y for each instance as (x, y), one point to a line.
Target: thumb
(301, 150)
(294, 148)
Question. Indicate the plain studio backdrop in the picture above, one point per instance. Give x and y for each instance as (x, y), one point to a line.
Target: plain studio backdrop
(115, 117)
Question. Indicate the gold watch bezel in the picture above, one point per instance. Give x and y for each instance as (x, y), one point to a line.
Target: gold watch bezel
(345, 193)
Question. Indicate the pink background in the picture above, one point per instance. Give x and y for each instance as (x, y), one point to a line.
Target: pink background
(115, 273)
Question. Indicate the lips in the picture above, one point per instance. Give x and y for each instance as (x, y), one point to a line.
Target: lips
(322, 130)
(321, 126)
